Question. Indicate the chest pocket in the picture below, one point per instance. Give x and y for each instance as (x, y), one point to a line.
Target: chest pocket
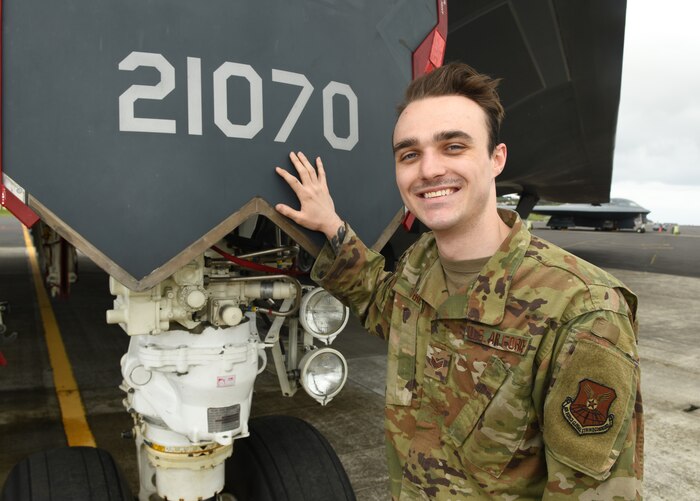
(487, 427)
(401, 359)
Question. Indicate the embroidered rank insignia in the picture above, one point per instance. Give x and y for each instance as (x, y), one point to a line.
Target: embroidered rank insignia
(437, 362)
(587, 412)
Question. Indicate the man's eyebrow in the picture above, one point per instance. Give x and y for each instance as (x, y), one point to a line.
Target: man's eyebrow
(448, 135)
(445, 135)
(405, 143)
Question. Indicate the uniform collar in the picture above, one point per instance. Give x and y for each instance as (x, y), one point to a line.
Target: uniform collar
(485, 300)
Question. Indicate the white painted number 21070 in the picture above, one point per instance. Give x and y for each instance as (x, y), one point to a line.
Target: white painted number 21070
(129, 122)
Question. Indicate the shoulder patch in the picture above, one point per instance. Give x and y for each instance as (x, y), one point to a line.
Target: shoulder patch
(587, 412)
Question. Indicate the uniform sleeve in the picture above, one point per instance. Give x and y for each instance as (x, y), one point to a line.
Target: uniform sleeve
(357, 278)
(592, 415)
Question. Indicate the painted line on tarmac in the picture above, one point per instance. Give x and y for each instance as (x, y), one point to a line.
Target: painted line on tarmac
(75, 423)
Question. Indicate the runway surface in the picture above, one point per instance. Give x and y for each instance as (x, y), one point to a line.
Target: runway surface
(663, 269)
(651, 251)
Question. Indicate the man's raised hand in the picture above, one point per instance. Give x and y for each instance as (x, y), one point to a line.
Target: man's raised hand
(317, 211)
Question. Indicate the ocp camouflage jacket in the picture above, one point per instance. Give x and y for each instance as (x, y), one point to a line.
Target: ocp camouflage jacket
(527, 387)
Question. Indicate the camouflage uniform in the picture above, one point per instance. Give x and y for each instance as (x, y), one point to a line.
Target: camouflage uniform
(527, 387)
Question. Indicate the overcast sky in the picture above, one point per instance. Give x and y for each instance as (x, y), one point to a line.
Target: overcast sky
(657, 152)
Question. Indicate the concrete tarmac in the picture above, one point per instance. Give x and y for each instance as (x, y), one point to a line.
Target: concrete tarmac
(664, 270)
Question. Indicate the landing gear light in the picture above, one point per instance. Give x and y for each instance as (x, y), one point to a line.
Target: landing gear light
(323, 374)
(322, 315)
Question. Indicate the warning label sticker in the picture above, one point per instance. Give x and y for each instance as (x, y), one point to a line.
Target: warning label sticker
(223, 381)
(220, 419)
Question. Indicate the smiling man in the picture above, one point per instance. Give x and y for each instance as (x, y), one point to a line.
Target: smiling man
(512, 368)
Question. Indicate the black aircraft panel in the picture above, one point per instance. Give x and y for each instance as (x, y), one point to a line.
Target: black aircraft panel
(561, 65)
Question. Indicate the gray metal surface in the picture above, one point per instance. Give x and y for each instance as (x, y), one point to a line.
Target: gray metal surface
(136, 199)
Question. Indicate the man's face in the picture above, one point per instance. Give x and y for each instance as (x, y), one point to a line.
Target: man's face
(444, 170)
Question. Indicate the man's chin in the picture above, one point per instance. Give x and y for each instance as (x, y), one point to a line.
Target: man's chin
(436, 224)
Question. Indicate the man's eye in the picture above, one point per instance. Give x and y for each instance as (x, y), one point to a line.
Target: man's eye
(408, 156)
(455, 147)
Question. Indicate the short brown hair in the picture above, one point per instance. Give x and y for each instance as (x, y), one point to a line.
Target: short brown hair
(459, 79)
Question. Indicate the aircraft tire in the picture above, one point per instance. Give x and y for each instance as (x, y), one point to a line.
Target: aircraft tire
(67, 474)
(285, 459)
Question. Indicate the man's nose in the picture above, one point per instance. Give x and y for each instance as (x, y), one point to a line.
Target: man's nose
(431, 165)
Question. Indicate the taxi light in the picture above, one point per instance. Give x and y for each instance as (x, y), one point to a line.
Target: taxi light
(322, 315)
(323, 373)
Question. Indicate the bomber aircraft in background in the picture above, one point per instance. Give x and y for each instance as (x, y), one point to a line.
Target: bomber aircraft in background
(619, 214)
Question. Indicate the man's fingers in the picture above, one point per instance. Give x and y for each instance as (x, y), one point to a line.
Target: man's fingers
(301, 170)
(305, 161)
(311, 190)
(321, 170)
(283, 209)
(292, 181)
(295, 215)
(306, 173)
(287, 211)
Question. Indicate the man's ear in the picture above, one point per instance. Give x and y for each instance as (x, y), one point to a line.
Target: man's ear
(498, 158)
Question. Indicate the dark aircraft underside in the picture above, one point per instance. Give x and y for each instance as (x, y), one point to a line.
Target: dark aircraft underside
(561, 65)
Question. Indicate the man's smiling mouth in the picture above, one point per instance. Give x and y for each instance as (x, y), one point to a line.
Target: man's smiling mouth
(438, 193)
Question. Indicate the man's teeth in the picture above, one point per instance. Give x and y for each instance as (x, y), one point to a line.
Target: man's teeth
(441, 193)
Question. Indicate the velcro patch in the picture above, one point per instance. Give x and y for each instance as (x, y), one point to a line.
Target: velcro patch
(505, 341)
(437, 362)
(589, 408)
(605, 329)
